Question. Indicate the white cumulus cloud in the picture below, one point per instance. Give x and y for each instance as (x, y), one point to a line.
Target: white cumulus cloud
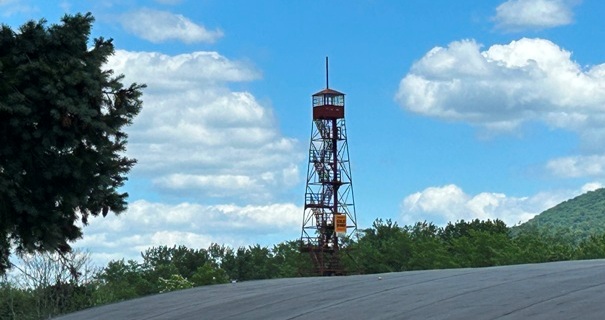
(160, 26)
(506, 85)
(578, 166)
(148, 224)
(450, 203)
(518, 15)
(195, 134)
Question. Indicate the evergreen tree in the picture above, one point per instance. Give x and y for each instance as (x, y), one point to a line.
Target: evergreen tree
(61, 138)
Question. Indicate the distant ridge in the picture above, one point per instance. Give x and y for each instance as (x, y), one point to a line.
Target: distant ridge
(577, 218)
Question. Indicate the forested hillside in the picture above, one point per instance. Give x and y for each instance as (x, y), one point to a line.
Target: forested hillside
(576, 219)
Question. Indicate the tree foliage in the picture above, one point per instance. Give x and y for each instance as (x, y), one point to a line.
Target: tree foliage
(122, 280)
(386, 247)
(578, 218)
(61, 138)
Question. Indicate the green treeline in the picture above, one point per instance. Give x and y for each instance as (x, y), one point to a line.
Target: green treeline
(386, 247)
(46, 286)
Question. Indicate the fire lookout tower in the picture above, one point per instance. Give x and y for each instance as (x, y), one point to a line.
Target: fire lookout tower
(329, 214)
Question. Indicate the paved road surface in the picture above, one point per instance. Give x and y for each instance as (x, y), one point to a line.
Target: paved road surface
(560, 290)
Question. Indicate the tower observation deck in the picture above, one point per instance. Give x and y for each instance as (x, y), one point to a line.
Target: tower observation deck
(329, 211)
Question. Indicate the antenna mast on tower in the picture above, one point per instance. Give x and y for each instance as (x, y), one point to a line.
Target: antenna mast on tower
(327, 75)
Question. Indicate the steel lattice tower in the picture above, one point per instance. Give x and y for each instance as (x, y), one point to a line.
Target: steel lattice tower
(329, 213)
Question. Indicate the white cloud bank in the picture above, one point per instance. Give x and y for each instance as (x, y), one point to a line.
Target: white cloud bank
(195, 135)
(160, 26)
(518, 15)
(198, 139)
(450, 203)
(148, 224)
(578, 166)
(505, 86)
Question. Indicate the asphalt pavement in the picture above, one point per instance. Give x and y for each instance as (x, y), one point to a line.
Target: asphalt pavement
(557, 290)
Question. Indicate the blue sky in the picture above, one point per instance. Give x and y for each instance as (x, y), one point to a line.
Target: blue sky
(455, 110)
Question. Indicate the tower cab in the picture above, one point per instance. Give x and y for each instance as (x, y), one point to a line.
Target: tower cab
(328, 104)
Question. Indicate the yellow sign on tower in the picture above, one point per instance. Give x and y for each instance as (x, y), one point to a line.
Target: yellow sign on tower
(341, 223)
